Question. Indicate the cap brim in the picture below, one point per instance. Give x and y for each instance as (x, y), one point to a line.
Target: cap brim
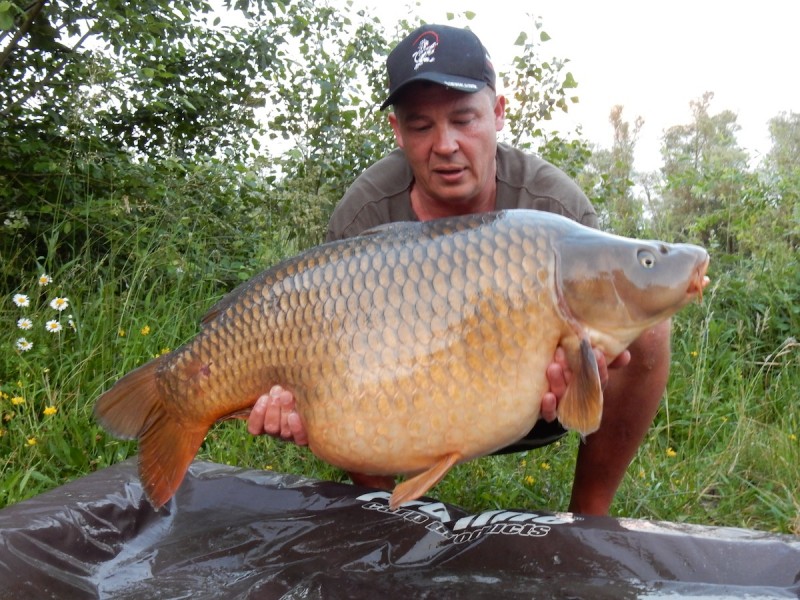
(461, 84)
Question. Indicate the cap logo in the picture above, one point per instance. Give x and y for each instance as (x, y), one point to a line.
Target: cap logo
(425, 49)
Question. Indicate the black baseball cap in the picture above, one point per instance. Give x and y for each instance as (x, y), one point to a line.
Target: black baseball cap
(449, 56)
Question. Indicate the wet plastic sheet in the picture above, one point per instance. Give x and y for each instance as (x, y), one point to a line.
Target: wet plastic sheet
(235, 533)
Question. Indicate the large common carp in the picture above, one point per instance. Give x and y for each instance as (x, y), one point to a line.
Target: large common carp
(411, 348)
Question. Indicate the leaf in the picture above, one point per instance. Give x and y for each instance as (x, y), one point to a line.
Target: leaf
(6, 18)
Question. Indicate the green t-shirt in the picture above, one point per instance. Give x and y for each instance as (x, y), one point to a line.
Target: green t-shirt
(382, 194)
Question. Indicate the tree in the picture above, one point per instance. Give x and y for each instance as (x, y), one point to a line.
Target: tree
(113, 103)
(142, 106)
(704, 171)
(540, 87)
(610, 177)
(117, 116)
(779, 209)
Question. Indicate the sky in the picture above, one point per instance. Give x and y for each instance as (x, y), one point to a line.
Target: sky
(652, 57)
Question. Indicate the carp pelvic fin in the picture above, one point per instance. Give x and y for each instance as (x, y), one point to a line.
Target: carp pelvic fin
(134, 408)
(413, 488)
(582, 405)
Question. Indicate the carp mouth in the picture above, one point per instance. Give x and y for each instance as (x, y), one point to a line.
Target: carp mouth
(699, 280)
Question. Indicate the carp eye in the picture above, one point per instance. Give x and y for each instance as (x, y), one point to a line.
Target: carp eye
(647, 259)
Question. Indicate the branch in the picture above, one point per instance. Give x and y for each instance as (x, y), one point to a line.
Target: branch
(35, 8)
(35, 89)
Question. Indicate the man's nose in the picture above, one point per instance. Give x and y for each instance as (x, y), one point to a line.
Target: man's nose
(446, 141)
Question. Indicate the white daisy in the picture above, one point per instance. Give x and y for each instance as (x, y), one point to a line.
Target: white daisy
(44, 279)
(53, 326)
(22, 300)
(59, 303)
(24, 345)
(24, 323)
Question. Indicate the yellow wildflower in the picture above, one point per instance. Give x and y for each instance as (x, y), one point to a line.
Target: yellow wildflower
(121, 333)
(693, 353)
(145, 330)
(545, 466)
(793, 437)
(529, 480)
(50, 410)
(17, 400)
(32, 441)
(671, 453)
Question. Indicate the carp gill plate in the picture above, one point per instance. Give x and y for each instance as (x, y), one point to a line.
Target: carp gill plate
(411, 348)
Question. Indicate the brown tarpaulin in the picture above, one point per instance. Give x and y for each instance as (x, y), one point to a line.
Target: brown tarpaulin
(236, 533)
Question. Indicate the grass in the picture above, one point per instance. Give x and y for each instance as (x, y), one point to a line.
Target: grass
(723, 450)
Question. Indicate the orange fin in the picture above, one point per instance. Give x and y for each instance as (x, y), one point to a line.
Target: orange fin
(134, 408)
(125, 409)
(413, 488)
(582, 405)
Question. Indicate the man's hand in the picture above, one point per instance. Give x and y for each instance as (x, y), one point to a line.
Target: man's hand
(275, 413)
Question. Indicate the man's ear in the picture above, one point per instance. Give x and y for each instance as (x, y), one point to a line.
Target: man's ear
(398, 137)
(499, 112)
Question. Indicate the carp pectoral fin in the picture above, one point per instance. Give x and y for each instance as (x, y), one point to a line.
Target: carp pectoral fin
(413, 488)
(134, 408)
(582, 405)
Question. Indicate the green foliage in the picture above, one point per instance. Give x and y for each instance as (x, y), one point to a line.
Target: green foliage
(540, 86)
(609, 177)
(704, 171)
(731, 414)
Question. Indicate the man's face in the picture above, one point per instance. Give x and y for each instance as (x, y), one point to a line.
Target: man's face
(450, 140)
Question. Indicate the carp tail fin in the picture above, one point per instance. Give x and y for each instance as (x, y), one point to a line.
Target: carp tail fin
(413, 488)
(134, 408)
(581, 408)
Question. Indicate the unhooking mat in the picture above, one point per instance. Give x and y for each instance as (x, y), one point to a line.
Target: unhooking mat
(238, 533)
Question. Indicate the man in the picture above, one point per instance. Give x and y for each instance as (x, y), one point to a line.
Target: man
(445, 118)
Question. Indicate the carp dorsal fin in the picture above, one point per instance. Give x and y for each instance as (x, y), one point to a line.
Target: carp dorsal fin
(385, 227)
(413, 488)
(582, 405)
(228, 299)
(437, 227)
